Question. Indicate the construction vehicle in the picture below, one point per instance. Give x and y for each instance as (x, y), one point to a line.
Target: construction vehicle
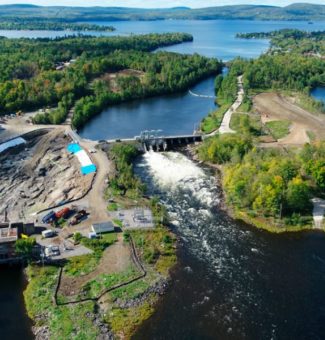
(63, 213)
(49, 218)
(78, 217)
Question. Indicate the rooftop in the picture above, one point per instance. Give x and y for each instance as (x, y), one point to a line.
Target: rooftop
(103, 227)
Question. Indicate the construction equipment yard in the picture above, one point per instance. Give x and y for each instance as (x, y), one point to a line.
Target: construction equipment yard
(38, 175)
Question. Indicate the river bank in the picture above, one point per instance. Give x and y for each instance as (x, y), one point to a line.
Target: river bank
(269, 225)
(110, 292)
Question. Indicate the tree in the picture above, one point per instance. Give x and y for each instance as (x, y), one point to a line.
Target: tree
(298, 195)
(24, 247)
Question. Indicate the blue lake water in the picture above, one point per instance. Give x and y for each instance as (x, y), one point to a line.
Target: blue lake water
(179, 113)
(212, 38)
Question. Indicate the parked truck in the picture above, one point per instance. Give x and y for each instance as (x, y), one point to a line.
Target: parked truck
(49, 217)
(78, 217)
(63, 213)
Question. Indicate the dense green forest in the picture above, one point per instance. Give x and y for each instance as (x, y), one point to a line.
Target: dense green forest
(29, 77)
(292, 40)
(272, 183)
(293, 63)
(298, 11)
(46, 25)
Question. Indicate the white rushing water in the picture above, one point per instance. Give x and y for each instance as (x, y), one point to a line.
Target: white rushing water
(192, 199)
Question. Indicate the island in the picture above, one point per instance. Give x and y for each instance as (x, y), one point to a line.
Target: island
(46, 25)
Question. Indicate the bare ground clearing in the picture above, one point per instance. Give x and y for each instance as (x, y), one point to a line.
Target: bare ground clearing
(39, 175)
(116, 258)
(273, 106)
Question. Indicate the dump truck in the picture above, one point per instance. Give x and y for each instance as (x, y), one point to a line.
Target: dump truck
(63, 213)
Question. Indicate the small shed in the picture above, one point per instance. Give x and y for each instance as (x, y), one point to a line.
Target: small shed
(103, 227)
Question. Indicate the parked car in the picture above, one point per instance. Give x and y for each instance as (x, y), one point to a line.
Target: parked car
(48, 233)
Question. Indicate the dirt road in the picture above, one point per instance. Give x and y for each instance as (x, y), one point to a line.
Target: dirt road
(273, 106)
(225, 124)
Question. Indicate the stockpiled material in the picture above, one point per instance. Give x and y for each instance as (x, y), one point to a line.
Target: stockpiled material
(12, 143)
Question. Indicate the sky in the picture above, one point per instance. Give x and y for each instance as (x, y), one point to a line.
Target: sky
(156, 3)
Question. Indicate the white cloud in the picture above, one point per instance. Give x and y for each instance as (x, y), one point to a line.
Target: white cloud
(154, 3)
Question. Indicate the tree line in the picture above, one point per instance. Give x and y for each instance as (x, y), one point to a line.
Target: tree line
(268, 182)
(28, 75)
(45, 25)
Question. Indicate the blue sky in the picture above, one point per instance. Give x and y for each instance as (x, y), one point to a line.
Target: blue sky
(155, 3)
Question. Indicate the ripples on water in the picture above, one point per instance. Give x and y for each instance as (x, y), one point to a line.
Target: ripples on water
(231, 283)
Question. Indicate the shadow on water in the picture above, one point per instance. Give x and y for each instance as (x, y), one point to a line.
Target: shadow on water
(14, 322)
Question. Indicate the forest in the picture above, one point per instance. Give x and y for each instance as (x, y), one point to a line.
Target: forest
(272, 183)
(294, 11)
(45, 25)
(291, 40)
(29, 78)
(293, 63)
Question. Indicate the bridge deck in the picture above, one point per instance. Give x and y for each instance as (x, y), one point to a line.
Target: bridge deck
(153, 138)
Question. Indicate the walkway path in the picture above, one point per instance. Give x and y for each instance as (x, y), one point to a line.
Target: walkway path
(225, 124)
(318, 211)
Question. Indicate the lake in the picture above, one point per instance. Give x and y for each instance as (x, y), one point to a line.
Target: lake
(179, 113)
(212, 38)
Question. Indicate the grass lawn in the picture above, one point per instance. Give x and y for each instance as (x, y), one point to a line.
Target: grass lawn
(65, 322)
(279, 128)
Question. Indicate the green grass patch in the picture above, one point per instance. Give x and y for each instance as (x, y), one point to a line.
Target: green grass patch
(81, 265)
(104, 281)
(131, 291)
(311, 135)
(112, 206)
(270, 224)
(85, 264)
(64, 322)
(279, 128)
(118, 222)
(246, 124)
(156, 248)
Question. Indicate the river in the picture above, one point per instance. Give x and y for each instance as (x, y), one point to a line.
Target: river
(179, 113)
(232, 281)
(14, 323)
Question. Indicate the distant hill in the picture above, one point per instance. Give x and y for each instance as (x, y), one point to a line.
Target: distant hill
(299, 11)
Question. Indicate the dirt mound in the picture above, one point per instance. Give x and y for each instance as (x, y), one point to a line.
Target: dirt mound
(273, 106)
(116, 258)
